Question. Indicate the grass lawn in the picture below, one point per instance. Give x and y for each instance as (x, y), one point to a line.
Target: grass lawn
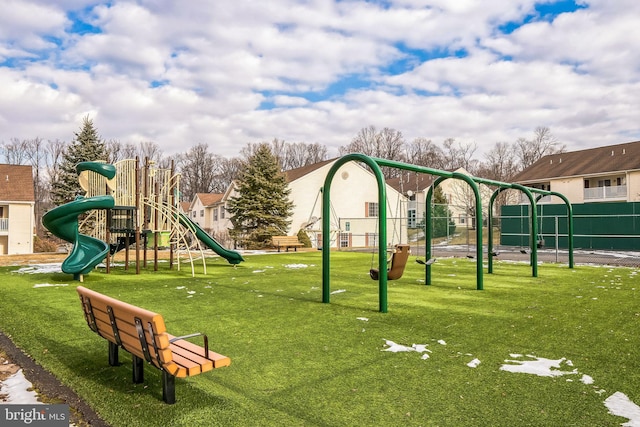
(299, 362)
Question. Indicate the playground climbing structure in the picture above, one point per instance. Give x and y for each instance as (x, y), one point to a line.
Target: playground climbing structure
(143, 212)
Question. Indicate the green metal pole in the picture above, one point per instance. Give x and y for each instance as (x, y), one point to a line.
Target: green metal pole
(428, 233)
(533, 216)
(490, 237)
(490, 232)
(569, 225)
(469, 180)
(474, 186)
(382, 228)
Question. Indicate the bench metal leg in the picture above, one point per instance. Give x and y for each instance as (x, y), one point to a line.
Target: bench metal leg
(113, 354)
(138, 369)
(168, 388)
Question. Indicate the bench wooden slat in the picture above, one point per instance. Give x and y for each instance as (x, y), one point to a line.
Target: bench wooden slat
(129, 338)
(286, 242)
(218, 360)
(179, 359)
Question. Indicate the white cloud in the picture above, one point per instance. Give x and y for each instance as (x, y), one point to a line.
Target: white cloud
(181, 74)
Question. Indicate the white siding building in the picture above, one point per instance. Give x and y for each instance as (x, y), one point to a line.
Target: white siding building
(17, 215)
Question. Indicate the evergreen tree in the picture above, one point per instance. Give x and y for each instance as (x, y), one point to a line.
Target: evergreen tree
(441, 215)
(262, 207)
(86, 146)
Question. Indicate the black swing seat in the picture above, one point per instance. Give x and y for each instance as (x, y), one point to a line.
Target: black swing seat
(399, 259)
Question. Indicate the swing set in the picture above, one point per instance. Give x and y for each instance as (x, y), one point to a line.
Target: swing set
(399, 253)
(375, 165)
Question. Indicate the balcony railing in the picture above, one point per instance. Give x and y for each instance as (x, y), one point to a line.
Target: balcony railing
(4, 224)
(616, 192)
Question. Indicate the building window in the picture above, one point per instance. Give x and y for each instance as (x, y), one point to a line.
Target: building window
(345, 240)
(193, 214)
(347, 226)
(215, 214)
(586, 183)
(462, 219)
(604, 183)
(201, 213)
(411, 223)
(371, 209)
(222, 211)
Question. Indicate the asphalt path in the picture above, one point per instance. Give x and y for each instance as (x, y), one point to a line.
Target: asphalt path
(545, 255)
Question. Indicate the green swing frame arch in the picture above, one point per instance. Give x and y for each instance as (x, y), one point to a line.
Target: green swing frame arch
(375, 165)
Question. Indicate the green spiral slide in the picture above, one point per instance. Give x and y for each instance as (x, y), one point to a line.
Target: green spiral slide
(62, 222)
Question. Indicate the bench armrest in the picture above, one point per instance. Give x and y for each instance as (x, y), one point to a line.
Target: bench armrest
(197, 334)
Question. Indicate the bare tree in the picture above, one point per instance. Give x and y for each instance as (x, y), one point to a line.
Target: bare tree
(300, 154)
(150, 150)
(199, 169)
(542, 144)
(316, 153)
(423, 152)
(37, 157)
(458, 155)
(289, 155)
(230, 170)
(501, 165)
(34, 153)
(114, 150)
(279, 148)
(387, 144)
(55, 149)
(14, 151)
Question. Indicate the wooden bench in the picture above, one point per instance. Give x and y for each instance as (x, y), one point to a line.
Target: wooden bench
(143, 334)
(286, 242)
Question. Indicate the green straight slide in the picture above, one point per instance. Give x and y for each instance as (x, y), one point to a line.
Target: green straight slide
(232, 257)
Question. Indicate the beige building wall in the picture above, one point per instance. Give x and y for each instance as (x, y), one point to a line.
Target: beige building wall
(221, 224)
(21, 228)
(352, 188)
(198, 213)
(633, 186)
(571, 188)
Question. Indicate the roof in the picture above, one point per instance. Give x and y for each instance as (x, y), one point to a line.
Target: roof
(16, 183)
(416, 182)
(208, 199)
(607, 159)
(298, 173)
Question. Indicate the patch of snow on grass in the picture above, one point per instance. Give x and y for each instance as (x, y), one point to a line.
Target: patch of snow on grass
(474, 363)
(539, 366)
(442, 342)
(396, 348)
(296, 266)
(41, 269)
(339, 291)
(19, 390)
(586, 379)
(49, 285)
(364, 319)
(619, 404)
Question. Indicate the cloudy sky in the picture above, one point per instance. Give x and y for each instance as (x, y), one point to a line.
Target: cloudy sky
(230, 72)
